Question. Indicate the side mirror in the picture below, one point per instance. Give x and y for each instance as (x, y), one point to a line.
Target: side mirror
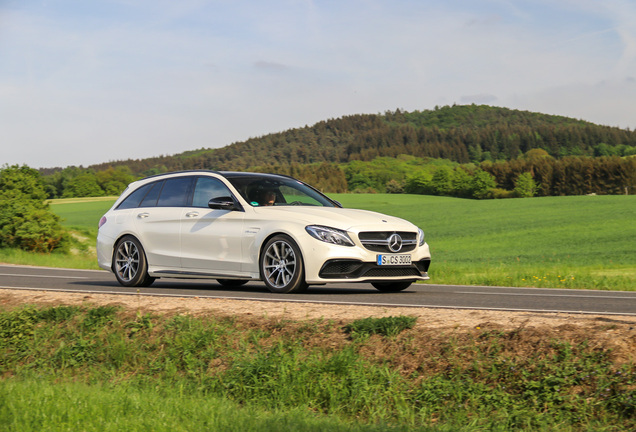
(222, 203)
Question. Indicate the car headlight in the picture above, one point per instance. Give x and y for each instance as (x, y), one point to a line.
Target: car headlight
(329, 235)
(420, 233)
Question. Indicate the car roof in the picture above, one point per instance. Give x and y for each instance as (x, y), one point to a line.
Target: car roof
(226, 174)
(236, 174)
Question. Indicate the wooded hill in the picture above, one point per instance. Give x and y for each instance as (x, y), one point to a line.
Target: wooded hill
(466, 151)
(467, 133)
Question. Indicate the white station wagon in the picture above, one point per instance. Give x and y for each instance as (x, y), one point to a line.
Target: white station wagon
(237, 227)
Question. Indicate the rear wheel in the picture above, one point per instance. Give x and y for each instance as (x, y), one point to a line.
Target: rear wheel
(281, 265)
(130, 264)
(391, 286)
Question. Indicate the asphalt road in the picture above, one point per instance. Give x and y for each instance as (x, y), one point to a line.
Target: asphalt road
(418, 295)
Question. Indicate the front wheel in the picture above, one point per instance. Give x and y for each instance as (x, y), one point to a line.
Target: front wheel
(130, 264)
(391, 286)
(281, 265)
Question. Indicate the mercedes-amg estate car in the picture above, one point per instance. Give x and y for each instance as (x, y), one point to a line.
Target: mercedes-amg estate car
(238, 227)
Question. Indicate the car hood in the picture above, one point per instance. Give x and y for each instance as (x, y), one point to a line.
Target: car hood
(353, 220)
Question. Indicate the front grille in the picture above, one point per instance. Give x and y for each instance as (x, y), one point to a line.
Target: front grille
(378, 241)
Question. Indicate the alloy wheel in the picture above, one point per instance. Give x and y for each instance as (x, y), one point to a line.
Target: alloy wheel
(280, 264)
(127, 260)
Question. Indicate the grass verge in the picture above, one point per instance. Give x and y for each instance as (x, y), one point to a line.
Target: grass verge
(34, 406)
(414, 379)
(86, 261)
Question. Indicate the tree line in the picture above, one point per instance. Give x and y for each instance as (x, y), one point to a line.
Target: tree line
(73, 182)
(607, 175)
(535, 173)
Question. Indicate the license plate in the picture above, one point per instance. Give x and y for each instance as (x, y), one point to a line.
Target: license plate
(384, 260)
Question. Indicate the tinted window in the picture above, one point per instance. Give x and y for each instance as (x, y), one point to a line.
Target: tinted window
(133, 200)
(175, 192)
(152, 196)
(207, 188)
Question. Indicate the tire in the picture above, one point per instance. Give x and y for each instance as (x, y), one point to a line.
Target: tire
(282, 266)
(231, 282)
(130, 264)
(391, 286)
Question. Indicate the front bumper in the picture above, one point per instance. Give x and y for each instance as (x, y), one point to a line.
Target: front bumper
(347, 269)
(325, 263)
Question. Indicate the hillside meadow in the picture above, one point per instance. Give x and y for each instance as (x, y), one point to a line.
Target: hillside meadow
(555, 242)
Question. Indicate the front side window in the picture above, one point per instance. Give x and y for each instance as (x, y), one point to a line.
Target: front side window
(278, 191)
(208, 188)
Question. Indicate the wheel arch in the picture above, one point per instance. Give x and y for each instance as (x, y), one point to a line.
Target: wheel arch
(266, 239)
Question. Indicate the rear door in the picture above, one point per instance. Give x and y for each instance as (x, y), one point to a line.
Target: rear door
(158, 221)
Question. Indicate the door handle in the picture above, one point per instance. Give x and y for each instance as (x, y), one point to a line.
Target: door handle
(143, 215)
(192, 214)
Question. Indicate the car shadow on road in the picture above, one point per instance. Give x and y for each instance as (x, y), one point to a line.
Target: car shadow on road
(191, 287)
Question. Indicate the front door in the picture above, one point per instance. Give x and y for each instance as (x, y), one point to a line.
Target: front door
(211, 239)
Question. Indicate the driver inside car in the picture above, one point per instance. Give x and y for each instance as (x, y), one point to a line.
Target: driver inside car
(268, 198)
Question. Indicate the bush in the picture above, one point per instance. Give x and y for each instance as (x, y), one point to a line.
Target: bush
(525, 187)
(418, 183)
(483, 185)
(84, 185)
(394, 187)
(26, 221)
(498, 193)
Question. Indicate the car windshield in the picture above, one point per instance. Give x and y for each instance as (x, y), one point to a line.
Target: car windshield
(277, 191)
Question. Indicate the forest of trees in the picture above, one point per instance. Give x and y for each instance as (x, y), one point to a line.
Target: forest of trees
(468, 151)
(534, 174)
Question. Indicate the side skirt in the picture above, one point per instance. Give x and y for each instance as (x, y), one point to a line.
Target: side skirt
(196, 275)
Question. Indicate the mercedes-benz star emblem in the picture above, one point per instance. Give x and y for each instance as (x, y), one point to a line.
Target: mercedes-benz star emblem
(395, 242)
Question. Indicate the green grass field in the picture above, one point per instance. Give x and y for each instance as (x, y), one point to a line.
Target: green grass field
(82, 213)
(563, 242)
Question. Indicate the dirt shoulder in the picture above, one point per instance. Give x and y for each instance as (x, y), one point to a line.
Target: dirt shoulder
(427, 317)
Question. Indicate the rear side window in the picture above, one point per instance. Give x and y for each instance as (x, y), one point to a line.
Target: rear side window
(133, 200)
(175, 192)
(151, 197)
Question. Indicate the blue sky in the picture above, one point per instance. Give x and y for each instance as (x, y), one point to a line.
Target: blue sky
(84, 82)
